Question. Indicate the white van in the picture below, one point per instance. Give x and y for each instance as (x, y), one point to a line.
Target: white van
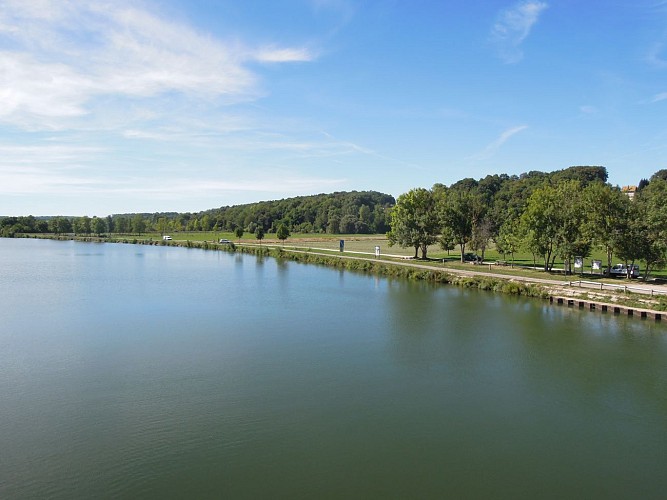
(166, 238)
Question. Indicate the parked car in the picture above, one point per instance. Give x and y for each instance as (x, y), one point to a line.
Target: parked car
(471, 257)
(622, 270)
(223, 240)
(166, 238)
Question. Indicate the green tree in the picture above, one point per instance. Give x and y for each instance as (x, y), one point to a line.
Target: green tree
(259, 234)
(572, 239)
(553, 222)
(122, 225)
(283, 233)
(481, 236)
(82, 225)
(110, 224)
(606, 217)
(636, 242)
(365, 215)
(347, 224)
(414, 221)
(651, 215)
(457, 212)
(509, 238)
(333, 224)
(162, 225)
(60, 225)
(540, 223)
(138, 224)
(238, 232)
(205, 223)
(446, 240)
(98, 225)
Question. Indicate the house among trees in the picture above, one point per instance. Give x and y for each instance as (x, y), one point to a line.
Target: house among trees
(629, 191)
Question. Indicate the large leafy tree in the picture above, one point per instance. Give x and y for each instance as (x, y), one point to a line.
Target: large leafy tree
(138, 224)
(414, 221)
(509, 238)
(82, 225)
(59, 225)
(572, 240)
(553, 222)
(541, 221)
(650, 215)
(98, 225)
(607, 217)
(457, 211)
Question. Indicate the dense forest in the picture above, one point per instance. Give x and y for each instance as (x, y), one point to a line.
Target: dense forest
(564, 214)
(363, 212)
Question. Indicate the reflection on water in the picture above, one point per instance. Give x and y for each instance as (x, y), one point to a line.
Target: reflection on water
(179, 372)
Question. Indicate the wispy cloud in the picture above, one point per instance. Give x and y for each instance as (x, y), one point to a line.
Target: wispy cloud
(187, 187)
(47, 181)
(656, 55)
(512, 27)
(494, 146)
(587, 109)
(659, 97)
(151, 98)
(58, 59)
(277, 55)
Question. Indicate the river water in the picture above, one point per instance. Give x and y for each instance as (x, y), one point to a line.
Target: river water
(156, 372)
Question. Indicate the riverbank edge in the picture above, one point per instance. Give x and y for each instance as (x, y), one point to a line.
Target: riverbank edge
(401, 270)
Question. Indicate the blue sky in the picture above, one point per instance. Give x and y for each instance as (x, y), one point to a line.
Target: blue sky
(184, 105)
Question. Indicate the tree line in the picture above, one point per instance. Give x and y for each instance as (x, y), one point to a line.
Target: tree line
(552, 215)
(563, 214)
(355, 212)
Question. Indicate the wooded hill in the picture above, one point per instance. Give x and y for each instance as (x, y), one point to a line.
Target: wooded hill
(355, 212)
(566, 214)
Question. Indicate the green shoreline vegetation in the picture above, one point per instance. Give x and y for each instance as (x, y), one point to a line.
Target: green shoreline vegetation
(536, 226)
(398, 269)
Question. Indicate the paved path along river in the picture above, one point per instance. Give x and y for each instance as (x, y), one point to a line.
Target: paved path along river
(400, 260)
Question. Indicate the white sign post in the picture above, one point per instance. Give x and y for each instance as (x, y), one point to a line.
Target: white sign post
(597, 265)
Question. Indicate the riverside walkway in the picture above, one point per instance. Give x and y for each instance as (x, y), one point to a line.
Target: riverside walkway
(402, 260)
(561, 292)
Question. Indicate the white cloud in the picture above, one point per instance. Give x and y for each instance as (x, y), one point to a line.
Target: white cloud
(49, 181)
(494, 146)
(512, 28)
(587, 109)
(149, 97)
(273, 55)
(46, 170)
(57, 57)
(187, 187)
(659, 97)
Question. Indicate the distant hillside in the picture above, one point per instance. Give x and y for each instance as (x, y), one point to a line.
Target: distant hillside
(342, 212)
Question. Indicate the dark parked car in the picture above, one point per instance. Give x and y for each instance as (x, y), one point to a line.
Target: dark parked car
(471, 257)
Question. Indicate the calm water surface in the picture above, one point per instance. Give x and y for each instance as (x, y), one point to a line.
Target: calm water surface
(154, 372)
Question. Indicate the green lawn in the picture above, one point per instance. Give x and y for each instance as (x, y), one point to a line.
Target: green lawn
(367, 244)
